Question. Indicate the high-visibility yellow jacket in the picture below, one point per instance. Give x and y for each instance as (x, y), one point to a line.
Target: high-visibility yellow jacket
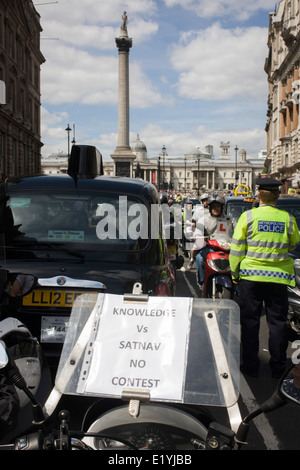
(260, 245)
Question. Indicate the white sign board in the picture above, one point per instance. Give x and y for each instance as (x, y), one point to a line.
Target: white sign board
(139, 346)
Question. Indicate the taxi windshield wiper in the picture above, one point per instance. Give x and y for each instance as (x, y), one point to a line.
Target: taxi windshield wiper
(35, 244)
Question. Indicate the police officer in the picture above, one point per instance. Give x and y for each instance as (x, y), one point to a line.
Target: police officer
(260, 263)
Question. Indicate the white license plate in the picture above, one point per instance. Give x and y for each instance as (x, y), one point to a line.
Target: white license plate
(54, 329)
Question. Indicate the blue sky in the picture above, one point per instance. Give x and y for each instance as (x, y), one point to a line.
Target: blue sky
(196, 73)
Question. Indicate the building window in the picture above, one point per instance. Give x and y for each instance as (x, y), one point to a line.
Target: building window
(36, 118)
(14, 157)
(11, 44)
(2, 153)
(12, 95)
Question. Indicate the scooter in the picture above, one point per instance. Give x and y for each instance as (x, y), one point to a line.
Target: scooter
(217, 275)
(160, 426)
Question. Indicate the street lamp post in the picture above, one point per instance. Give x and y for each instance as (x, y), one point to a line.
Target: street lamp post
(198, 174)
(236, 172)
(198, 190)
(68, 129)
(159, 172)
(73, 141)
(164, 153)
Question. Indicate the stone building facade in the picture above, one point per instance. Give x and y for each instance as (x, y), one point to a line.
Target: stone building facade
(282, 68)
(195, 169)
(20, 62)
(216, 172)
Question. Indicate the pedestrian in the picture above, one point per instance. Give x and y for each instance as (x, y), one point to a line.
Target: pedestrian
(260, 263)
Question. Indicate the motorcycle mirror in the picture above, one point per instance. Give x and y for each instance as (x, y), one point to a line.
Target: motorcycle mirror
(200, 242)
(22, 285)
(290, 384)
(278, 399)
(3, 355)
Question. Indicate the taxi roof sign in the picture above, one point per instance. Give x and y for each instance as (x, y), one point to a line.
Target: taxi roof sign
(238, 191)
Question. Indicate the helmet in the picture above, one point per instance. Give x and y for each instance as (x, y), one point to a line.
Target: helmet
(218, 199)
(204, 196)
(213, 199)
(189, 202)
(163, 198)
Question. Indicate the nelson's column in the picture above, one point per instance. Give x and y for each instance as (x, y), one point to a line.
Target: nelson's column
(123, 156)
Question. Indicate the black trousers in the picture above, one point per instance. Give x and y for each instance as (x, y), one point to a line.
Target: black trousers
(253, 295)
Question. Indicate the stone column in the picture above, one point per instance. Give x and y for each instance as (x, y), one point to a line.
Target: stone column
(123, 156)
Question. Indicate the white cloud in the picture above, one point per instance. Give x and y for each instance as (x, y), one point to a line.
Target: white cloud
(74, 76)
(179, 143)
(237, 9)
(217, 64)
(95, 24)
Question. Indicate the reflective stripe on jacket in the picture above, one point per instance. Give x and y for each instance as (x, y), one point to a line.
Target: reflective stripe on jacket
(260, 245)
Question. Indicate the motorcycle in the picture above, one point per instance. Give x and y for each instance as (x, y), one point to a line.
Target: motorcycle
(170, 228)
(293, 321)
(27, 355)
(213, 346)
(168, 410)
(217, 275)
(173, 251)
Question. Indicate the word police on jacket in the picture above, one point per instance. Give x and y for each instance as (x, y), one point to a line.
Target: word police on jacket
(274, 227)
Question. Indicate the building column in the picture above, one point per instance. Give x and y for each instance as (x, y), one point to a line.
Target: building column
(123, 156)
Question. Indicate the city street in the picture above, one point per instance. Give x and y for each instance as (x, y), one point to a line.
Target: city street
(278, 430)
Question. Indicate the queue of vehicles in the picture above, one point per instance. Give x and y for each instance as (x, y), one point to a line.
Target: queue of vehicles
(60, 229)
(51, 228)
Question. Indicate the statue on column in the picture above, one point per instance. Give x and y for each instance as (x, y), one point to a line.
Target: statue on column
(124, 21)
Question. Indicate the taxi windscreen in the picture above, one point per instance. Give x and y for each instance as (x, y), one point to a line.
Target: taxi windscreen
(94, 221)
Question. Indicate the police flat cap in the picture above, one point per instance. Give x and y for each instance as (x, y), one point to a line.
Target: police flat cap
(268, 184)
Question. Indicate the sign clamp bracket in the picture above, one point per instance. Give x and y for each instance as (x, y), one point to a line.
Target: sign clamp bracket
(135, 397)
(136, 295)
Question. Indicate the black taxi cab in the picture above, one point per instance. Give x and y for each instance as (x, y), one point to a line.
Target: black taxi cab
(76, 233)
(235, 205)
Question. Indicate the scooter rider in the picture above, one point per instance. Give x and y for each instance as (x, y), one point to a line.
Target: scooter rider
(212, 223)
(204, 201)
